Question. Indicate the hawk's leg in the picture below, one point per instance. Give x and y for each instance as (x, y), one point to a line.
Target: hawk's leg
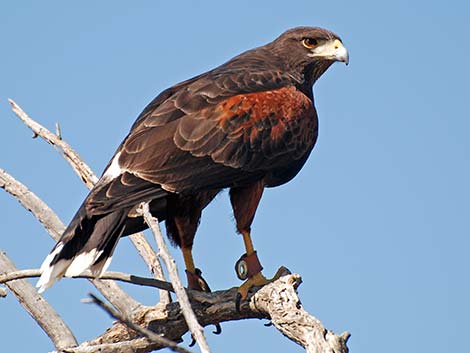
(245, 201)
(183, 215)
(194, 275)
(195, 281)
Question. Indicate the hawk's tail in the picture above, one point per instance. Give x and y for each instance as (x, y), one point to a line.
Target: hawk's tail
(87, 244)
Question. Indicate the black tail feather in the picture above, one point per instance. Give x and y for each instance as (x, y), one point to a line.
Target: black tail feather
(87, 244)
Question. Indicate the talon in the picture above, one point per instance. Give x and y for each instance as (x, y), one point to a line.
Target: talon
(193, 342)
(256, 280)
(238, 299)
(218, 329)
(268, 324)
(196, 281)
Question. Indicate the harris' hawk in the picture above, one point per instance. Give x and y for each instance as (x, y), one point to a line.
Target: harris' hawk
(245, 125)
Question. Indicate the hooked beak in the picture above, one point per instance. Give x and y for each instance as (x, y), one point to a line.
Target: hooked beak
(332, 50)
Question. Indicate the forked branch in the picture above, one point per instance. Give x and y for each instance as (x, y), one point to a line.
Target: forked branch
(150, 335)
(110, 275)
(188, 313)
(46, 317)
(55, 227)
(277, 301)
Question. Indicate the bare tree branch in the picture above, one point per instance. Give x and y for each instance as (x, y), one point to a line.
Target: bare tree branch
(195, 328)
(131, 346)
(110, 275)
(39, 309)
(89, 178)
(32, 203)
(19, 274)
(153, 262)
(277, 301)
(55, 228)
(142, 331)
(282, 304)
(80, 168)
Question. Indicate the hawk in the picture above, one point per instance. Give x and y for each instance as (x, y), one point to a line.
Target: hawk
(246, 125)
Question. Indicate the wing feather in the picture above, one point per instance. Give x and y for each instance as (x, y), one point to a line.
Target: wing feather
(223, 128)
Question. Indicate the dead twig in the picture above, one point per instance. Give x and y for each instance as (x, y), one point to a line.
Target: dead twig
(277, 301)
(188, 313)
(110, 275)
(134, 345)
(39, 309)
(80, 168)
(32, 203)
(153, 263)
(153, 337)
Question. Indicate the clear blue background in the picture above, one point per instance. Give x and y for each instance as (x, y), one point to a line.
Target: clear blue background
(377, 222)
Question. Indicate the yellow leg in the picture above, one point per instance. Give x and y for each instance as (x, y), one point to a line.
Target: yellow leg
(248, 243)
(245, 200)
(188, 259)
(195, 280)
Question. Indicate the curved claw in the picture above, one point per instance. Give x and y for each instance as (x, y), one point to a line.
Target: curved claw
(268, 324)
(193, 342)
(256, 280)
(197, 282)
(218, 329)
(238, 299)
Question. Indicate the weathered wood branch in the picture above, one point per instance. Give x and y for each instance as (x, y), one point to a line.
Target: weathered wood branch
(183, 300)
(32, 203)
(285, 311)
(109, 275)
(77, 164)
(153, 263)
(130, 346)
(282, 304)
(150, 335)
(277, 301)
(39, 309)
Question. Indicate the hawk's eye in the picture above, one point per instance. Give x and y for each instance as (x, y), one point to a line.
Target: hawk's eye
(309, 43)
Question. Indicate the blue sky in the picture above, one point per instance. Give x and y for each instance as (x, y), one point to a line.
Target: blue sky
(376, 223)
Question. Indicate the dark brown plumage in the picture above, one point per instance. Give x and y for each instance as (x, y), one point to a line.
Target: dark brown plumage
(246, 125)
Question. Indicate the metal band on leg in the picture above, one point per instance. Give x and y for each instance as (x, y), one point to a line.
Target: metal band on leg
(248, 266)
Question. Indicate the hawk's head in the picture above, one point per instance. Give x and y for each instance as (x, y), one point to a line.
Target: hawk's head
(309, 51)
